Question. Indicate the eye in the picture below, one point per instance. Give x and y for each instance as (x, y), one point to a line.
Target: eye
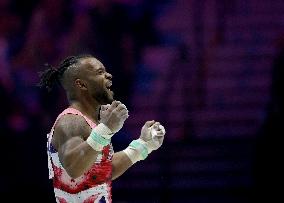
(100, 72)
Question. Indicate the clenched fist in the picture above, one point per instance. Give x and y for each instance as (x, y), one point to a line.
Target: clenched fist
(152, 133)
(114, 115)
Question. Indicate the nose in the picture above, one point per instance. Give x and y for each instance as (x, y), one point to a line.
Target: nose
(108, 76)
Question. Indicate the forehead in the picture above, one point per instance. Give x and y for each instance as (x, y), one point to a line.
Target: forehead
(91, 63)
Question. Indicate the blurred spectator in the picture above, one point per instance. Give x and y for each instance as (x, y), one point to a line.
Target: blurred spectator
(9, 26)
(80, 39)
(49, 21)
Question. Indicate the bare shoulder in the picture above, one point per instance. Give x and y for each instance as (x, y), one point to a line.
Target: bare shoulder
(70, 126)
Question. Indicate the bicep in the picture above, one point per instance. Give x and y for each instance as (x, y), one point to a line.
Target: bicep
(69, 133)
(67, 147)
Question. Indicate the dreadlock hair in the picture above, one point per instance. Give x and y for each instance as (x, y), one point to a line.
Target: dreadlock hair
(53, 75)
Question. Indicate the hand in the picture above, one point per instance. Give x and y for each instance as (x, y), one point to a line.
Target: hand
(152, 134)
(114, 115)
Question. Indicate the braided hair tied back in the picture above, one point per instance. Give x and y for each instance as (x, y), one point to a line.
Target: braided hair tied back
(52, 75)
(49, 77)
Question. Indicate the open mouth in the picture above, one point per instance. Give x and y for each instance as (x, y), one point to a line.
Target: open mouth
(108, 85)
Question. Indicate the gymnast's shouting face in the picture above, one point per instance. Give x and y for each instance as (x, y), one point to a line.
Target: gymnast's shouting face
(89, 80)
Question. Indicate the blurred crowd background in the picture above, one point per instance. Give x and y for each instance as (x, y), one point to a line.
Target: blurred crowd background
(210, 70)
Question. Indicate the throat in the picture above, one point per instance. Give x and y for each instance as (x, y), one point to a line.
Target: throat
(92, 112)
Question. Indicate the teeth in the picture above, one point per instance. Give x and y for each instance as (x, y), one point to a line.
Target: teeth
(109, 85)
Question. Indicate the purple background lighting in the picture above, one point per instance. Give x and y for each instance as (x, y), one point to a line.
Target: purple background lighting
(209, 70)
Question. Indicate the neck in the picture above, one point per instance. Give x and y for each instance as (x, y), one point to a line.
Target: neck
(91, 110)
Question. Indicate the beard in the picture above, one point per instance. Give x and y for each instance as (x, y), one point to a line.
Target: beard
(104, 97)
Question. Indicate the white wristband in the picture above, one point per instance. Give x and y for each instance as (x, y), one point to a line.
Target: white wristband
(96, 146)
(148, 145)
(137, 152)
(133, 154)
(103, 131)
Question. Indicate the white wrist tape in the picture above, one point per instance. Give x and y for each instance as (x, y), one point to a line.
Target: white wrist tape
(96, 140)
(95, 145)
(133, 154)
(103, 130)
(137, 150)
(148, 145)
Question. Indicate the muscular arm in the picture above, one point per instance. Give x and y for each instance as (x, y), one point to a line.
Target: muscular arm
(120, 163)
(74, 152)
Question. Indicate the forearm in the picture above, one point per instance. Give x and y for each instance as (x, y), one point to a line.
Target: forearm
(80, 155)
(124, 159)
(79, 159)
(120, 163)
(77, 156)
(138, 149)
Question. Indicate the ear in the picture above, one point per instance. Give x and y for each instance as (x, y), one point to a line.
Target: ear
(80, 84)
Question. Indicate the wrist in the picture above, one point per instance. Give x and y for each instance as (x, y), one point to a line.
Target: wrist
(137, 150)
(104, 131)
(97, 141)
(148, 144)
(133, 154)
